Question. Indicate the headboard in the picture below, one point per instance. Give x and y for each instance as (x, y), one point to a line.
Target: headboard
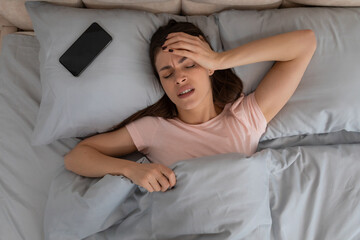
(13, 13)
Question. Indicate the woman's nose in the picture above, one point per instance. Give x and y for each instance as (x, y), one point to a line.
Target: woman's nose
(180, 77)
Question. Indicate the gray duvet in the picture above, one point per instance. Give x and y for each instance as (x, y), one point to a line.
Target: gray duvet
(299, 193)
(298, 188)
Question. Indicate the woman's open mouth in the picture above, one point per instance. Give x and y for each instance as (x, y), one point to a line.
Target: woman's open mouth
(187, 93)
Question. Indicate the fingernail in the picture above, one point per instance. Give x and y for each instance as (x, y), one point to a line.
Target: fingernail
(163, 48)
(170, 50)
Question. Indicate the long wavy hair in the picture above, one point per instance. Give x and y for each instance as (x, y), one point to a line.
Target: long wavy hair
(226, 86)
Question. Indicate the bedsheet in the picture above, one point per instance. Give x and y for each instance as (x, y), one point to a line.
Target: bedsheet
(310, 192)
(216, 197)
(313, 189)
(25, 171)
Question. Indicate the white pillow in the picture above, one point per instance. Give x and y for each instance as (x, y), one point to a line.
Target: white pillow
(115, 85)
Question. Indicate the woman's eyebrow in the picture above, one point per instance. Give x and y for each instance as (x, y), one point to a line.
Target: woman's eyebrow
(167, 67)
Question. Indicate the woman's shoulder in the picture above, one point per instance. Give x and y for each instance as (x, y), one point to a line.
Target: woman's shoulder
(153, 121)
(246, 109)
(235, 104)
(146, 119)
(245, 104)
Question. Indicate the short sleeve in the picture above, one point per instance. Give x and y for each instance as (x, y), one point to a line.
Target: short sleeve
(142, 132)
(247, 110)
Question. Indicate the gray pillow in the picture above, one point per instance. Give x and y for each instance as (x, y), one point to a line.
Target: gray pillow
(116, 84)
(327, 98)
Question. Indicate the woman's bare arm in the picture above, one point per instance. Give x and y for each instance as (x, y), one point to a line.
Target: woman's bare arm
(292, 50)
(96, 156)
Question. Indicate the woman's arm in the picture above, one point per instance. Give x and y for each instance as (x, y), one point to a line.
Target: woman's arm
(282, 47)
(292, 50)
(89, 162)
(96, 156)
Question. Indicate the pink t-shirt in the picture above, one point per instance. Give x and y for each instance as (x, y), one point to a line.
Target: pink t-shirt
(237, 128)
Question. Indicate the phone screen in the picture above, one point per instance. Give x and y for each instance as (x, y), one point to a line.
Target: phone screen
(85, 49)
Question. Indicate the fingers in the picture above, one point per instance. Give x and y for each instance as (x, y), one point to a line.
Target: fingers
(155, 185)
(185, 53)
(166, 179)
(163, 183)
(162, 179)
(183, 41)
(182, 45)
(184, 49)
(181, 36)
(148, 187)
(194, 47)
(160, 183)
(170, 175)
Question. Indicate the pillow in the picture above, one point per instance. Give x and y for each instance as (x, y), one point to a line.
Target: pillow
(115, 85)
(327, 98)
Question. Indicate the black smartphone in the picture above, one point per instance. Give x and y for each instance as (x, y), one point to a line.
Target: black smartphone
(85, 49)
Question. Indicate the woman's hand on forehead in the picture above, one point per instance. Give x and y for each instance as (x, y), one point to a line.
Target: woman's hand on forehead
(193, 47)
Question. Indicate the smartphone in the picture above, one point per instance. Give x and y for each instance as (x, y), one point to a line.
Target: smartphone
(85, 49)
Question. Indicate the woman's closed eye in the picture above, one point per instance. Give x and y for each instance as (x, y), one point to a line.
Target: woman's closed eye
(186, 67)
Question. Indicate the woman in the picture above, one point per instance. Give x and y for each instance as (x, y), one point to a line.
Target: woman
(203, 111)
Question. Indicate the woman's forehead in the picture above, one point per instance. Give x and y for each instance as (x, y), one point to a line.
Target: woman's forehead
(165, 58)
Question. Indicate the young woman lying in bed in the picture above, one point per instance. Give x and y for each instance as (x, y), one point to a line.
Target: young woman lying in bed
(203, 111)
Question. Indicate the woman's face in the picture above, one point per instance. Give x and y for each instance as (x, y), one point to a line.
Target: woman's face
(176, 72)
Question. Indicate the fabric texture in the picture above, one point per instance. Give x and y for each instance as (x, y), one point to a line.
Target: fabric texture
(237, 128)
(119, 81)
(207, 7)
(110, 190)
(25, 171)
(216, 197)
(312, 193)
(154, 6)
(327, 98)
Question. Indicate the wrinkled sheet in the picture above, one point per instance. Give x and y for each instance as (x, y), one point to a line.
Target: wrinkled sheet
(314, 194)
(25, 171)
(216, 197)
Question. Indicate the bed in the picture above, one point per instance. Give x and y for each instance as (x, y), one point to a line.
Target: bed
(302, 183)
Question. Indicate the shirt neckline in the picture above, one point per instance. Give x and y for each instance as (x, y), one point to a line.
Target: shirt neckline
(204, 124)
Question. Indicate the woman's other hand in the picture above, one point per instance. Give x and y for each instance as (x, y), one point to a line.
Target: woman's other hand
(152, 176)
(193, 47)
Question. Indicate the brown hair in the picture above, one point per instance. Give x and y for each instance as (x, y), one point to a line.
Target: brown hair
(226, 86)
